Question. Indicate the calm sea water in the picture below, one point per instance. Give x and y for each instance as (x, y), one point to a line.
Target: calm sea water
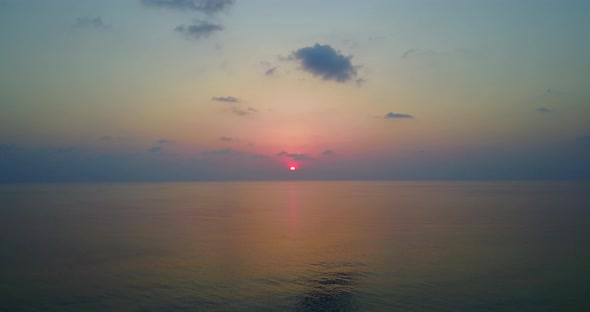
(295, 246)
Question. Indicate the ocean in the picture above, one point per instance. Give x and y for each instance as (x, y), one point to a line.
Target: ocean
(295, 246)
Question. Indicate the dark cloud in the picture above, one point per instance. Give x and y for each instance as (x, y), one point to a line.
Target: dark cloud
(325, 62)
(155, 149)
(226, 139)
(229, 99)
(294, 156)
(205, 6)
(199, 30)
(106, 138)
(271, 71)
(164, 141)
(543, 110)
(328, 152)
(391, 115)
(90, 22)
(583, 139)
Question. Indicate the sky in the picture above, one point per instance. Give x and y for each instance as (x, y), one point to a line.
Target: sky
(191, 90)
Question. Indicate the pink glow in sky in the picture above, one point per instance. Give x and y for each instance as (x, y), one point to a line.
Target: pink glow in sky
(121, 90)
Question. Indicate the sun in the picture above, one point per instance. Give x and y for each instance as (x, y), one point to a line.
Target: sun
(292, 168)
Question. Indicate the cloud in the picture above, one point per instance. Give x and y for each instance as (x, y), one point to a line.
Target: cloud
(226, 139)
(159, 146)
(90, 22)
(204, 6)
(552, 92)
(114, 138)
(418, 53)
(543, 110)
(294, 156)
(377, 38)
(59, 150)
(243, 111)
(351, 43)
(229, 99)
(233, 153)
(391, 115)
(328, 152)
(583, 139)
(202, 29)
(325, 62)
(155, 149)
(549, 98)
(271, 71)
(223, 151)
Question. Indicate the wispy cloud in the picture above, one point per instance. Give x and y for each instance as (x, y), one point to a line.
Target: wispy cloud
(294, 156)
(90, 22)
(243, 111)
(325, 62)
(198, 30)
(271, 71)
(114, 138)
(225, 139)
(223, 151)
(418, 53)
(204, 6)
(543, 110)
(391, 115)
(228, 99)
(328, 152)
(155, 149)
(59, 149)
(159, 147)
(229, 152)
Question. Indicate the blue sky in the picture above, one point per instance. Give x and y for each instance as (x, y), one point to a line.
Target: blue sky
(164, 90)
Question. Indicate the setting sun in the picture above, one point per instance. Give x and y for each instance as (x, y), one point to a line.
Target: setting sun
(292, 168)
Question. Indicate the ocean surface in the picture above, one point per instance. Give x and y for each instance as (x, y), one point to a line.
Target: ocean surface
(295, 246)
